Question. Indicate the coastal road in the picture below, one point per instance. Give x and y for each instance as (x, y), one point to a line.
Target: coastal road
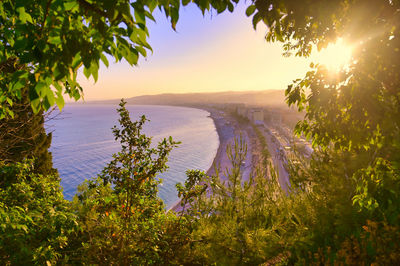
(273, 147)
(228, 130)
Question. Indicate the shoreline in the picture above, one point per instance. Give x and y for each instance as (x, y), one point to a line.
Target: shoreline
(228, 130)
(219, 123)
(224, 137)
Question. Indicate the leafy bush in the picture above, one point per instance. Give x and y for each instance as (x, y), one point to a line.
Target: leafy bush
(123, 220)
(35, 220)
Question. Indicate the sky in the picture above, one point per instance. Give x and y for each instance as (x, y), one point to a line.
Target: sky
(208, 53)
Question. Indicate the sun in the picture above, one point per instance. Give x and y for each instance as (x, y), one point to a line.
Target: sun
(335, 56)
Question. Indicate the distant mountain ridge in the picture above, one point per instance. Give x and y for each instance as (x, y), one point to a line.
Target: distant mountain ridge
(258, 98)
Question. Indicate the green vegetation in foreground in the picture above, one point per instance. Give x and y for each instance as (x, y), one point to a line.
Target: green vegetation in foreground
(117, 218)
(345, 204)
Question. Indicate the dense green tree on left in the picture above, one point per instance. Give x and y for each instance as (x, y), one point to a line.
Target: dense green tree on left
(43, 43)
(35, 219)
(24, 136)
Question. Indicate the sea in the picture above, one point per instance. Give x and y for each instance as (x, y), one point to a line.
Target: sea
(83, 142)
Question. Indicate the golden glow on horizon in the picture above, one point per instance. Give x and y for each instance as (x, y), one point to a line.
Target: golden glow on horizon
(335, 56)
(240, 60)
(228, 57)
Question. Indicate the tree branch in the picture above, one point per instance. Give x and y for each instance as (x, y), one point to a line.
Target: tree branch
(45, 16)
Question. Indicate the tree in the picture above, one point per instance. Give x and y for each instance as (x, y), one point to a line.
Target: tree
(356, 110)
(123, 219)
(24, 136)
(361, 99)
(44, 43)
(35, 219)
(352, 117)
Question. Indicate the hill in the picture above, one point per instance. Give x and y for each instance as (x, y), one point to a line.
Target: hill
(260, 98)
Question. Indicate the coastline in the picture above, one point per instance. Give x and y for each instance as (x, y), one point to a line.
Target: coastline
(228, 129)
(224, 138)
(225, 134)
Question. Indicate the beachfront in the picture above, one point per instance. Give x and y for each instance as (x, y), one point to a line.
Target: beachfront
(229, 129)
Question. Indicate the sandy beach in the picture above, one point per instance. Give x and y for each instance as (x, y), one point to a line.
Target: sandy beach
(228, 130)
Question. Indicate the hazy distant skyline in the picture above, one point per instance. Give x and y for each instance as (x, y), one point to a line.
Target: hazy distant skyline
(207, 54)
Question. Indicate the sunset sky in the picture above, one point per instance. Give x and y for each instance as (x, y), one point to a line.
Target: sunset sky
(206, 54)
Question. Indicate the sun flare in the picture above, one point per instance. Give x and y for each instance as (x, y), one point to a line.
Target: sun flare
(335, 56)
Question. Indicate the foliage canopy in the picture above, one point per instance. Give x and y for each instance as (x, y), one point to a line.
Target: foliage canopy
(347, 205)
(35, 219)
(44, 43)
(355, 111)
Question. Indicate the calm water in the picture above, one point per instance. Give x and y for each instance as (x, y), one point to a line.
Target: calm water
(83, 142)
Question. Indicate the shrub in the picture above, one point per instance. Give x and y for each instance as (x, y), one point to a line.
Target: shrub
(35, 220)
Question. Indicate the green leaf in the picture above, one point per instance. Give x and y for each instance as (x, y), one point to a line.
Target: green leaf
(132, 56)
(152, 4)
(76, 93)
(55, 40)
(250, 10)
(59, 101)
(41, 88)
(23, 16)
(9, 101)
(174, 17)
(256, 18)
(104, 60)
(140, 17)
(46, 103)
(150, 16)
(70, 5)
(18, 85)
(141, 50)
(10, 112)
(86, 72)
(230, 7)
(76, 61)
(94, 69)
(107, 199)
(35, 104)
(50, 97)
